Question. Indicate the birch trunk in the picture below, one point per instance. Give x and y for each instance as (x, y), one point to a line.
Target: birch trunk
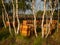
(13, 16)
(3, 18)
(33, 2)
(52, 12)
(46, 24)
(7, 16)
(58, 17)
(43, 18)
(17, 16)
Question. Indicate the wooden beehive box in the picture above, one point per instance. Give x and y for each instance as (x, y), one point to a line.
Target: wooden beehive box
(44, 28)
(7, 23)
(24, 29)
(52, 26)
(54, 21)
(59, 26)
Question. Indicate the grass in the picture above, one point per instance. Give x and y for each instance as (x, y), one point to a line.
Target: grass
(56, 35)
(7, 39)
(37, 41)
(4, 33)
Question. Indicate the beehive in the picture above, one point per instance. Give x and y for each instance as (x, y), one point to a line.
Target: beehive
(59, 26)
(44, 28)
(52, 26)
(7, 23)
(24, 29)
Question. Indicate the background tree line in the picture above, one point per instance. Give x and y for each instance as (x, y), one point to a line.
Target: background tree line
(23, 5)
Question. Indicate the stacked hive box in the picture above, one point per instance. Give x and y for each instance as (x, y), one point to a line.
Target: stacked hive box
(52, 26)
(24, 29)
(59, 26)
(7, 23)
(45, 28)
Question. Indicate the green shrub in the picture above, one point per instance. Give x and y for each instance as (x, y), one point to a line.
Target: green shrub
(38, 40)
(4, 33)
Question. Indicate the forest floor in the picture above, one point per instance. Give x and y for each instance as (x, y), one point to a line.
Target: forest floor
(20, 40)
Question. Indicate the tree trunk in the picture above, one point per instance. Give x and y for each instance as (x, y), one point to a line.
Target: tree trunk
(33, 2)
(58, 17)
(13, 16)
(52, 9)
(46, 24)
(43, 18)
(52, 12)
(7, 17)
(17, 16)
(3, 18)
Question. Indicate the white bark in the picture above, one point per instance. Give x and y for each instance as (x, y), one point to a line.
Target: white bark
(33, 2)
(17, 16)
(46, 24)
(43, 18)
(52, 12)
(13, 16)
(58, 17)
(7, 16)
(3, 18)
(52, 9)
